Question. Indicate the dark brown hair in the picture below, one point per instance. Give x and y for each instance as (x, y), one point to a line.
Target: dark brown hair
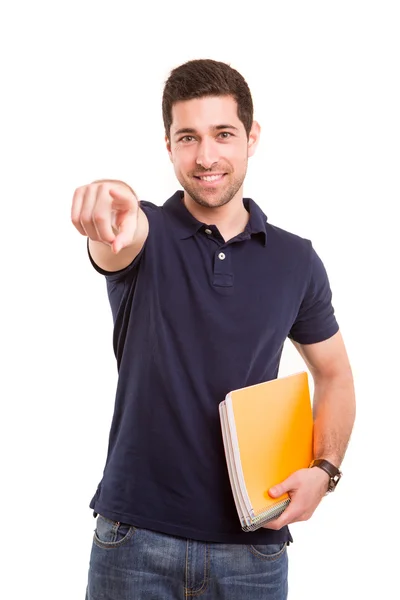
(206, 77)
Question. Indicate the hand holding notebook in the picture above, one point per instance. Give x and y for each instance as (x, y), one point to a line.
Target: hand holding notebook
(267, 433)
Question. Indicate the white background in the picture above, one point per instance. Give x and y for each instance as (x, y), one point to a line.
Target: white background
(81, 99)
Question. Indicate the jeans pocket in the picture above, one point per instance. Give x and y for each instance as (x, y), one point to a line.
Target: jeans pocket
(268, 551)
(111, 534)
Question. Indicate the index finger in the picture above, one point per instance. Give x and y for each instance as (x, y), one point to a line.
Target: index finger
(127, 225)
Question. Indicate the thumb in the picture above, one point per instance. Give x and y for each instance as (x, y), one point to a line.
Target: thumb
(281, 488)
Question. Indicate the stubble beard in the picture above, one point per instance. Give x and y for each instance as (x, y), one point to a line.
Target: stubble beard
(209, 199)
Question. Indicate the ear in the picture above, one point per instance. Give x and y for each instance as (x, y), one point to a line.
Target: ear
(254, 137)
(168, 145)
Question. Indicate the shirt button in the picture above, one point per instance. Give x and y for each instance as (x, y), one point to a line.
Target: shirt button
(221, 256)
(208, 231)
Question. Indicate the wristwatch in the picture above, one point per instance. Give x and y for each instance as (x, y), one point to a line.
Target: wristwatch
(329, 468)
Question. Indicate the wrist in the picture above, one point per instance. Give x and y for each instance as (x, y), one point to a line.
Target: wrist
(331, 472)
(322, 477)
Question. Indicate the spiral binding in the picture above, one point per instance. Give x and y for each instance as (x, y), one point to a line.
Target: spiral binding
(266, 516)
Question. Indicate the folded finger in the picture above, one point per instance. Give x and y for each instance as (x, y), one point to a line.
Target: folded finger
(103, 217)
(86, 217)
(77, 203)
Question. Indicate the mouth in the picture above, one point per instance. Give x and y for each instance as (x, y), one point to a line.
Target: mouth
(210, 180)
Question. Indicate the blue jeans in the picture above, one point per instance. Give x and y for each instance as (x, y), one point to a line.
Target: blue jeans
(128, 563)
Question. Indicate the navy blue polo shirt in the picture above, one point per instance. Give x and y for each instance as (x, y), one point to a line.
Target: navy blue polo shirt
(194, 318)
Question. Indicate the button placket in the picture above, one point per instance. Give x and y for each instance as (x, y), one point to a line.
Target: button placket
(223, 275)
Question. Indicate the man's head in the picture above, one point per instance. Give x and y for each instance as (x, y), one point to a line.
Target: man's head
(208, 118)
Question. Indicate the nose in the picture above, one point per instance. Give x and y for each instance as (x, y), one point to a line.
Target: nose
(207, 153)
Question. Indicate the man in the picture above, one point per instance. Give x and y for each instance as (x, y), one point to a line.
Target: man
(204, 292)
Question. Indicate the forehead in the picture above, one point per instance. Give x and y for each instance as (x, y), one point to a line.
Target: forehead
(203, 113)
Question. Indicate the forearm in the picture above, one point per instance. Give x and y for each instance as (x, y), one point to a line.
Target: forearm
(334, 415)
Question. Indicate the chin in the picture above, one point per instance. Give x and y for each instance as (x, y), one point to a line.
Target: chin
(210, 199)
(207, 201)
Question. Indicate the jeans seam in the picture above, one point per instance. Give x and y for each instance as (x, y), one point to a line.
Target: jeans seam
(114, 531)
(186, 568)
(189, 592)
(271, 557)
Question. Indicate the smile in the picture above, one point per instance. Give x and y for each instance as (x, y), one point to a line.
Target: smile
(210, 178)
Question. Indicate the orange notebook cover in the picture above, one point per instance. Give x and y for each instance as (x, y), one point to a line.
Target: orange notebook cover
(267, 432)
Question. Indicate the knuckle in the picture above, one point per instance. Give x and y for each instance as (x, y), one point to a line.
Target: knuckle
(102, 188)
(86, 217)
(99, 217)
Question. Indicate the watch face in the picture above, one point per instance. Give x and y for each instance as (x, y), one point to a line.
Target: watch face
(334, 481)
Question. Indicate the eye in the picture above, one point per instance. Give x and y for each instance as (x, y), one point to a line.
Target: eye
(186, 138)
(226, 135)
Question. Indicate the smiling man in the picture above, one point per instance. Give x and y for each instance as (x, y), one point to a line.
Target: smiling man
(210, 157)
(203, 292)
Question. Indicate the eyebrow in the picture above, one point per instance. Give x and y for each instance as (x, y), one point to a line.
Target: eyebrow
(213, 127)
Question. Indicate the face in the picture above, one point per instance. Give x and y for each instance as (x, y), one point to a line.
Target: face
(209, 149)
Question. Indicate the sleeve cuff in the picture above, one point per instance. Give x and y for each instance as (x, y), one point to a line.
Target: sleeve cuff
(313, 337)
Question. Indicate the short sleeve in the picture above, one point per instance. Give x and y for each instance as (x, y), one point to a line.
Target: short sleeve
(116, 275)
(315, 321)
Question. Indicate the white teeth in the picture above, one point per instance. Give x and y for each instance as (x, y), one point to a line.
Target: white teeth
(211, 177)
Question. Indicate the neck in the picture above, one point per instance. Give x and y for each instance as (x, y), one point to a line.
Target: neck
(230, 219)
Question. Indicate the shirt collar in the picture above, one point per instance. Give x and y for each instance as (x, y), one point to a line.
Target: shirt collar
(187, 225)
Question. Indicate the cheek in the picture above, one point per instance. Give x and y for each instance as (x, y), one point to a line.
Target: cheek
(236, 155)
(238, 162)
(183, 161)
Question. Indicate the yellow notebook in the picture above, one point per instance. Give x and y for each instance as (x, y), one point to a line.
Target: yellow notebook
(267, 432)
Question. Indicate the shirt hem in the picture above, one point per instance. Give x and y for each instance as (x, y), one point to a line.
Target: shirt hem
(270, 536)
